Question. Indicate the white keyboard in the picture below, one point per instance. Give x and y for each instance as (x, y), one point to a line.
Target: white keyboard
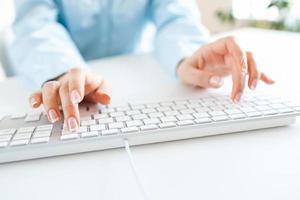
(28, 136)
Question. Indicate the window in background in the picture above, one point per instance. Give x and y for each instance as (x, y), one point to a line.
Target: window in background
(258, 9)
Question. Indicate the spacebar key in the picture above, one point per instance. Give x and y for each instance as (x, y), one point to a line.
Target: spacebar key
(70, 136)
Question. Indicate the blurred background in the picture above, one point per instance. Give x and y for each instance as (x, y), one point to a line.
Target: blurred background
(217, 15)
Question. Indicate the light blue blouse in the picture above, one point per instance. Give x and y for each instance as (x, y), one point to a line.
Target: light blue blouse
(52, 36)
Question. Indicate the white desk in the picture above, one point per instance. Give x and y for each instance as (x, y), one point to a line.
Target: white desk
(261, 164)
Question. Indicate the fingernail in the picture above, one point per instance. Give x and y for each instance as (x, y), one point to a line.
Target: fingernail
(53, 117)
(254, 84)
(33, 102)
(106, 98)
(75, 97)
(216, 81)
(237, 98)
(72, 124)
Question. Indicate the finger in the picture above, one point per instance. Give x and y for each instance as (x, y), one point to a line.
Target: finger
(35, 99)
(92, 83)
(70, 110)
(238, 59)
(254, 74)
(200, 78)
(76, 84)
(101, 95)
(240, 68)
(266, 79)
(50, 95)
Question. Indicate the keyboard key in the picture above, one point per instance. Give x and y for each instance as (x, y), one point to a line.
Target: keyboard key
(133, 112)
(89, 134)
(5, 138)
(88, 122)
(270, 112)
(152, 105)
(201, 115)
(116, 114)
(105, 120)
(123, 108)
(140, 116)
(123, 118)
(167, 103)
(238, 116)
(185, 117)
(22, 136)
(101, 116)
(185, 122)
(263, 108)
(3, 144)
(148, 110)
(179, 107)
(167, 125)
(98, 127)
(110, 132)
(19, 142)
(247, 109)
(149, 127)
(137, 106)
(82, 129)
(33, 117)
(216, 113)
(187, 111)
(134, 123)
(171, 113)
(44, 127)
(163, 109)
(253, 114)
(156, 114)
(46, 133)
(18, 116)
(116, 125)
(7, 131)
(220, 118)
(168, 119)
(151, 121)
(129, 129)
(39, 140)
(26, 130)
(202, 109)
(232, 111)
(70, 136)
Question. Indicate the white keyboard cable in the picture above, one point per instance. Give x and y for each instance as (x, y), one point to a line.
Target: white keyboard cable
(135, 170)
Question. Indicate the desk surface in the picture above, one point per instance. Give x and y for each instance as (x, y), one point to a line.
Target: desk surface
(262, 164)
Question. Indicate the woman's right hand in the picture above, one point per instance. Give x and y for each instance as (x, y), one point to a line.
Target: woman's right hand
(68, 91)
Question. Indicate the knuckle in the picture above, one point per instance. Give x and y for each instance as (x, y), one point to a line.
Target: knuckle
(249, 54)
(50, 85)
(75, 70)
(231, 39)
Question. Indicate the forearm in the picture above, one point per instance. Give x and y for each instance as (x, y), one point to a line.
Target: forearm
(41, 48)
(179, 34)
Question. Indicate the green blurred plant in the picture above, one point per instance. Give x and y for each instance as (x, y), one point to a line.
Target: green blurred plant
(283, 7)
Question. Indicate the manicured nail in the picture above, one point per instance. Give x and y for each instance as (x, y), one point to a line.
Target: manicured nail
(254, 84)
(216, 81)
(75, 97)
(237, 98)
(53, 117)
(33, 102)
(72, 124)
(106, 98)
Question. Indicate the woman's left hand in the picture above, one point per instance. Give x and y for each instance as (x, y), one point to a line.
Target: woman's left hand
(212, 62)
